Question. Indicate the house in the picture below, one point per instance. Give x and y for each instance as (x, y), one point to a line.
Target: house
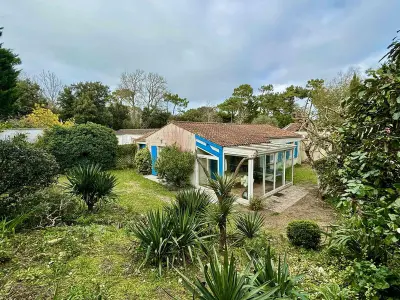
(127, 136)
(271, 153)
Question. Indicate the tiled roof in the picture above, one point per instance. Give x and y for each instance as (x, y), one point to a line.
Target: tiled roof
(293, 127)
(143, 137)
(135, 131)
(228, 134)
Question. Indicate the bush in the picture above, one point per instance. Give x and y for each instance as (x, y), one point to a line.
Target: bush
(50, 207)
(126, 156)
(193, 201)
(256, 203)
(81, 144)
(143, 161)
(175, 166)
(249, 225)
(91, 184)
(306, 234)
(24, 170)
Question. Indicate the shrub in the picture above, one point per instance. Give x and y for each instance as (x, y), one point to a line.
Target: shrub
(143, 161)
(175, 166)
(24, 170)
(193, 201)
(249, 225)
(50, 207)
(278, 277)
(81, 144)
(91, 184)
(256, 203)
(303, 233)
(126, 156)
(223, 281)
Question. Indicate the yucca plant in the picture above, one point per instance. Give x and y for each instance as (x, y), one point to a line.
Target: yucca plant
(91, 183)
(224, 282)
(154, 233)
(192, 200)
(249, 224)
(277, 277)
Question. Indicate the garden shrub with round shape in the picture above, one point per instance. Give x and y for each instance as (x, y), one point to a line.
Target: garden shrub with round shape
(175, 166)
(24, 170)
(304, 233)
(143, 161)
(126, 156)
(81, 145)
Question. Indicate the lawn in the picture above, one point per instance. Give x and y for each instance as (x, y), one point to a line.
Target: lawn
(96, 258)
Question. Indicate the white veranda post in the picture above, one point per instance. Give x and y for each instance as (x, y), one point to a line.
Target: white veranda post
(250, 179)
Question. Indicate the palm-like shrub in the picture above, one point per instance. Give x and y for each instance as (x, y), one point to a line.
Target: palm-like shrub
(223, 281)
(277, 277)
(91, 183)
(168, 236)
(249, 225)
(193, 201)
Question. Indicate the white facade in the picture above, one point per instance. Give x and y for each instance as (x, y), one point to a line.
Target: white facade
(32, 134)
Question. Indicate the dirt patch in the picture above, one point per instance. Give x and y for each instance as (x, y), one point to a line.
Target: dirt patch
(309, 207)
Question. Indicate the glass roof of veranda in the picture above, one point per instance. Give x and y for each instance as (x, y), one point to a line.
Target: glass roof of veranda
(255, 150)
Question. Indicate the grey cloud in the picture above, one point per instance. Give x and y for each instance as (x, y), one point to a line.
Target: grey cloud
(203, 48)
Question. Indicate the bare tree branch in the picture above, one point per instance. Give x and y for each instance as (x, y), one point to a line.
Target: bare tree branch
(132, 85)
(155, 86)
(50, 86)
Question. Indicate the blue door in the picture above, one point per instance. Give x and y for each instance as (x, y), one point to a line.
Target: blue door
(153, 160)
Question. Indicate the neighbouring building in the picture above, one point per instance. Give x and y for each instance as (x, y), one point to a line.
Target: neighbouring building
(271, 153)
(32, 134)
(127, 136)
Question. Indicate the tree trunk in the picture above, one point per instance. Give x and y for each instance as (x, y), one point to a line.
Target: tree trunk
(222, 236)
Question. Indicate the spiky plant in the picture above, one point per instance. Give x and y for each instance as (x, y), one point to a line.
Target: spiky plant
(223, 281)
(192, 200)
(91, 183)
(249, 224)
(276, 276)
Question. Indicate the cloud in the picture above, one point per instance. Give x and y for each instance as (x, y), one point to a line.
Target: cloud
(205, 48)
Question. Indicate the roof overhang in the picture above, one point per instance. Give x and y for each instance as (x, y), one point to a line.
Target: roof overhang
(254, 150)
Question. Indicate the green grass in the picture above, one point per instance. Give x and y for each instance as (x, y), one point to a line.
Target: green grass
(303, 175)
(94, 257)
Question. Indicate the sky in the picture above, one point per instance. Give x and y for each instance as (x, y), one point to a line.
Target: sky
(204, 48)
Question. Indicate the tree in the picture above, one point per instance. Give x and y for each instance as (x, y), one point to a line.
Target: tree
(28, 95)
(42, 117)
(200, 114)
(231, 107)
(86, 102)
(131, 87)
(120, 116)
(155, 118)
(176, 101)
(155, 86)
(50, 86)
(8, 80)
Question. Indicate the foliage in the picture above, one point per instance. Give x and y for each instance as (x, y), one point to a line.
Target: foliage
(85, 102)
(249, 225)
(175, 166)
(42, 117)
(223, 281)
(51, 207)
(256, 203)
(332, 291)
(119, 116)
(200, 114)
(8, 81)
(276, 277)
(143, 161)
(373, 281)
(304, 233)
(264, 119)
(194, 201)
(168, 237)
(126, 156)
(91, 184)
(176, 101)
(155, 118)
(29, 96)
(24, 170)
(81, 144)
(7, 228)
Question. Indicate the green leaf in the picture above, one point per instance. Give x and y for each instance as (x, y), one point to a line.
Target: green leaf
(398, 99)
(396, 116)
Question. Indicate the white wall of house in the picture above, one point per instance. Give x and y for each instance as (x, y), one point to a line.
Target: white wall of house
(124, 139)
(298, 159)
(32, 134)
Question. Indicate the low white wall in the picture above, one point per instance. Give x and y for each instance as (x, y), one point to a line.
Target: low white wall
(124, 139)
